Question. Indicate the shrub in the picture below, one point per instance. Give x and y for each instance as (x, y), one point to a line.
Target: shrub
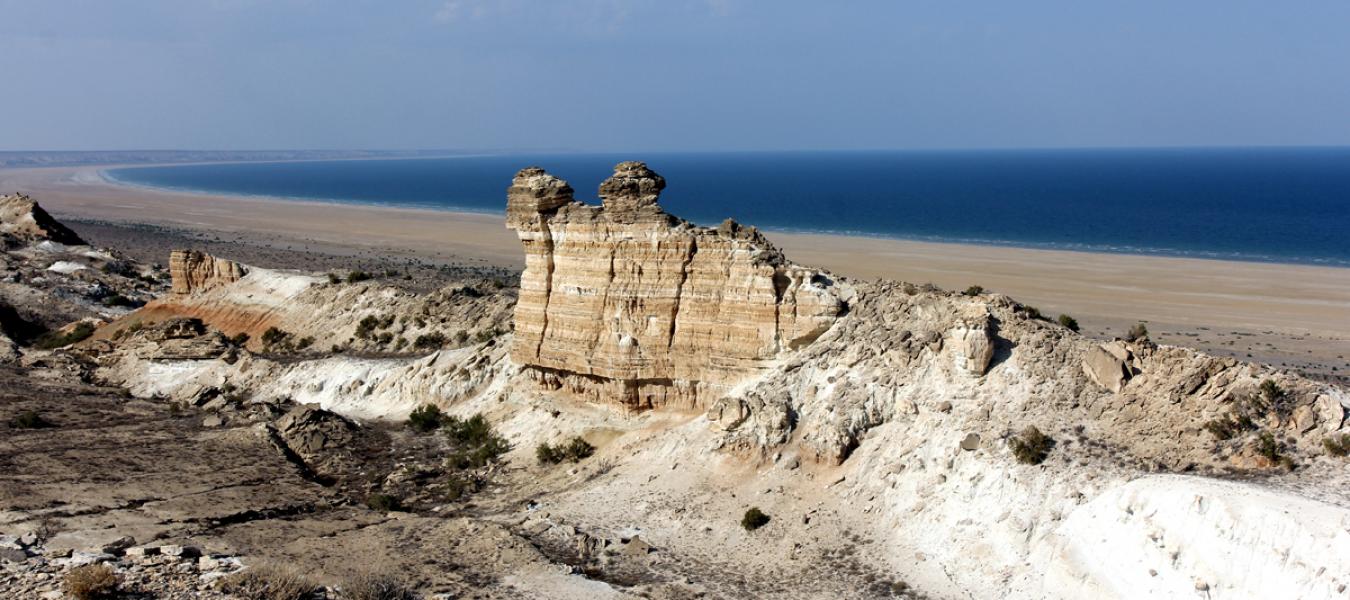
(274, 336)
(1136, 333)
(1031, 447)
(429, 341)
(1267, 446)
(269, 582)
(91, 582)
(754, 519)
(239, 339)
(1032, 312)
(375, 586)
(56, 339)
(575, 450)
(119, 300)
(973, 290)
(29, 419)
(1069, 322)
(333, 278)
(383, 502)
(1271, 392)
(477, 444)
(1337, 445)
(356, 276)
(1227, 428)
(304, 342)
(425, 418)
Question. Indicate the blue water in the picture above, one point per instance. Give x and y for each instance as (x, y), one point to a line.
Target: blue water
(1281, 205)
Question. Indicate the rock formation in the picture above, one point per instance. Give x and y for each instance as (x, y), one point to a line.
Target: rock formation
(194, 271)
(625, 303)
(23, 218)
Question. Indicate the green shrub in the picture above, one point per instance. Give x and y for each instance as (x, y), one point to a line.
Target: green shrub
(383, 502)
(1068, 322)
(1229, 427)
(575, 450)
(92, 582)
(334, 278)
(1031, 447)
(269, 582)
(120, 300)
(56, 339)
(428, 341)
(273, 337)
(425, 418)
(973, 290)
(1032, 312)
(476, 443)
(239, 339)
(356, 276)
(1338, 446)
(1267, 446)
(29, 419)
(754, 519)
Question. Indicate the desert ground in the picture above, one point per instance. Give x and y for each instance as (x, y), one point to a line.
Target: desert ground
(1289, 316)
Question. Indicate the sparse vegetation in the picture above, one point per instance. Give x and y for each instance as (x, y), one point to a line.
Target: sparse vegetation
(375, 586)
(429, 341)
(56, 339)
(1068, 322)
(973, 290)
(92, 582)
(239, 339)
(29, 419)
(1032, 312)
(120, 300)
(383, 502)
(575, 450)
(334, 278)
(1269, 447)
(1031, 447)
(1338, 446)
(477, 443)
(1229, 427)
(754, 519)
(426, 418)
(274, 337)
(1138, 332)
(356, 276)
(269, 582)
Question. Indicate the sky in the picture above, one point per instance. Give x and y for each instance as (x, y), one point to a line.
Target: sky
(616, 75)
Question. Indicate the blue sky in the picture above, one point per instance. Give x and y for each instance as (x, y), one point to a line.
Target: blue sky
(671, 74)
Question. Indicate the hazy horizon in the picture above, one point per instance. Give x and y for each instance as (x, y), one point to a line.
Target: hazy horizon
(646, 76)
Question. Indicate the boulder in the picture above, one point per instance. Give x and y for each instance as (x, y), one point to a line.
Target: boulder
(1107, 365)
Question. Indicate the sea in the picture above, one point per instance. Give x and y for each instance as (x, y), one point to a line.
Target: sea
(1289, 205)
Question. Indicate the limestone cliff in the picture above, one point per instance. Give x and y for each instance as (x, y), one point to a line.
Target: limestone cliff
(625, 303)
(194, 271)
(23, 218)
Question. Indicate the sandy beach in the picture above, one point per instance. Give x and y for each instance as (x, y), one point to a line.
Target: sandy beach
(1287, 315)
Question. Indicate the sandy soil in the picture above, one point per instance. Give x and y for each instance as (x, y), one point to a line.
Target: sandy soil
(1295, 316)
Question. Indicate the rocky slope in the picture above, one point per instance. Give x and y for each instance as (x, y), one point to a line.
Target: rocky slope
(882, 425)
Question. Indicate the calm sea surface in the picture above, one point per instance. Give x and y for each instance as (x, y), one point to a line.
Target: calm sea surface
(1283, 205)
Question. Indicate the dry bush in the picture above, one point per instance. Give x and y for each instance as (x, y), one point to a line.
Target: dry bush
(269, 582)
(1031, 446)
(375, 586)
(92, 582)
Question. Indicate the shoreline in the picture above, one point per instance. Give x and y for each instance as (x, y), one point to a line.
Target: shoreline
(102, 172)
(1278, 313)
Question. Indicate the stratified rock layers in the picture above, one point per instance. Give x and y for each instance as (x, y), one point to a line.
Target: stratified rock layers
(625, 303)
(21, 217)
(193, 271)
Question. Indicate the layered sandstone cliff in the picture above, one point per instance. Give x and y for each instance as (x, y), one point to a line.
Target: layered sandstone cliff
(624, 302)
(194, 271)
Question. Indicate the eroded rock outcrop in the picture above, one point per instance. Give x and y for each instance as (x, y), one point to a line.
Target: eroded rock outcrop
(194, 271)
(23, 218)
(626, 303)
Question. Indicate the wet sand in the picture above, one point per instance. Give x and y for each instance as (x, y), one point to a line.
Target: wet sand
(1297, 316)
